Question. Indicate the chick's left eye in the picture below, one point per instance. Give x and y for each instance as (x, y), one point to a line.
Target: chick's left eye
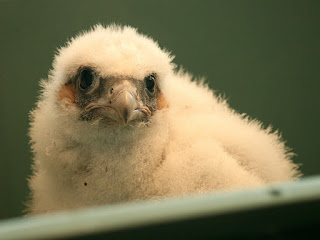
(86, 79)
(150, 82)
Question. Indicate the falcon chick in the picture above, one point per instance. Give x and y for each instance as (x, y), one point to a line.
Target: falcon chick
(116, 122)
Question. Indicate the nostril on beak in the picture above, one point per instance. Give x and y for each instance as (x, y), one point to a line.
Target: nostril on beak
(111, 91)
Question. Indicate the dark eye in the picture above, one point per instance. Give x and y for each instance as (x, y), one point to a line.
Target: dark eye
(86, 79)
(150, 82)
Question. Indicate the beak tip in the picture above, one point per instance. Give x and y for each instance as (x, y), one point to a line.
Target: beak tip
(125, 116)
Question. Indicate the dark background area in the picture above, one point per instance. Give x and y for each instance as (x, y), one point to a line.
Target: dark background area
(262, 55)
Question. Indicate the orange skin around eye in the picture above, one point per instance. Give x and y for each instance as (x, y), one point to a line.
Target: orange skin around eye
(67, 94)
(161, 101)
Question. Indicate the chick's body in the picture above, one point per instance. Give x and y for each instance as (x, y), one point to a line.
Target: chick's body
(180, 138)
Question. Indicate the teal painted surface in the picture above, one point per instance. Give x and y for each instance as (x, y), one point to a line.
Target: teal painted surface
(262, 55)
(123, 216)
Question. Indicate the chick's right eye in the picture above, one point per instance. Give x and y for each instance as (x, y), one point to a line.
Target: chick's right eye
(150, 82)
(86, 79)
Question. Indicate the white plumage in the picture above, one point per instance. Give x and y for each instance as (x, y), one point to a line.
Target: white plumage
(182, 139)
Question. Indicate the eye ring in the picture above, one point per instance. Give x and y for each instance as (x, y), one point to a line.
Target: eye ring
(150, 82)
(87, 80)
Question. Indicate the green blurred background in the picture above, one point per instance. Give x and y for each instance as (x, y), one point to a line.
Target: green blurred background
(262, 55)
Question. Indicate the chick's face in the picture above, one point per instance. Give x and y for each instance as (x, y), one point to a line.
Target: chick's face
(113, 74)
(116, 100)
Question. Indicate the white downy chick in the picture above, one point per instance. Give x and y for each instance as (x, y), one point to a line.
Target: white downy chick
(115, 123)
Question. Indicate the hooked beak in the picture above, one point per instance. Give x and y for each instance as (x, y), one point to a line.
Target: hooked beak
(121, 104)
(124, 103)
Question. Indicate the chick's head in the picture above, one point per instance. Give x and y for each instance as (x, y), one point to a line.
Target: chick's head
(111, 74)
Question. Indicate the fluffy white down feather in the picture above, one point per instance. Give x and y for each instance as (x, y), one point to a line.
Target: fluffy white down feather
(196, 145)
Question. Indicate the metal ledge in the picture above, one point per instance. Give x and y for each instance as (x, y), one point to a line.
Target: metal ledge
(236, 210)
